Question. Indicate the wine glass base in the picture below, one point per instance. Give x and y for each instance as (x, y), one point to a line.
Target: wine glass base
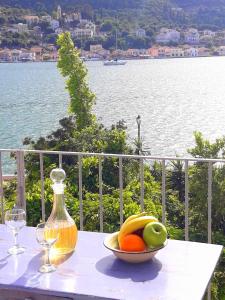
(47, 269)
(16, 250)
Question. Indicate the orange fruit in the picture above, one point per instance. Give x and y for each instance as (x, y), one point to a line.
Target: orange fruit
(132, 243)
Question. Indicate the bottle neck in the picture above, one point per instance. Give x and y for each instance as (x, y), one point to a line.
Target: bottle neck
(59, 202)
(59, 212)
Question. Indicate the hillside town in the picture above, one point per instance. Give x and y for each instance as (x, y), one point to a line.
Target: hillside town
(168, 43)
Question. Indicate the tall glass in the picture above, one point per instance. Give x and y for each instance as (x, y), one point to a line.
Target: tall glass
(46, 235)
(15, 220)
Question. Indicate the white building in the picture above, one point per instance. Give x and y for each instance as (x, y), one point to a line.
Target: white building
(73, 17)
(46, 18)
(82, 33)
(58, 30)
(192, 36)
(54, 24)
(77, 16)
(21, 27)
(15, 55)
(27, 56)
(166, 36)
(209, 33)
(83, 22)
(89, 25)
(221, 50)
(140, 32)
(191, 52)
(137, 52)
(176, 52)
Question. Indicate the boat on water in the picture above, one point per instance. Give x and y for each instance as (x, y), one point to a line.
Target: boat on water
(90, 58)
(114, 62)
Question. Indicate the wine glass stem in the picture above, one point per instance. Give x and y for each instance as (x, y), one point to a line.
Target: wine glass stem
(47, 256)
(16, 244)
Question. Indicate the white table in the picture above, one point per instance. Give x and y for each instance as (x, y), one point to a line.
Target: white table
(180, 271)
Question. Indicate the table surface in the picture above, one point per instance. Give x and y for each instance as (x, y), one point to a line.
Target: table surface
(180, 271)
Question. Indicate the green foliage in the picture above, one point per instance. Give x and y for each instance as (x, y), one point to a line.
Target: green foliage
(72, 67)
(12, 14)
(205, 149)
(11, 40)
(198, 202)
(199, 185)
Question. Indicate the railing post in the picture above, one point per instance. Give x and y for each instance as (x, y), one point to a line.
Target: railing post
(80, 192)
(1, 189)
(21, 201)
(186, 202)
(60, 160)
(121, 188)
(142, 183)
(100, 195)
(42, 188)
(210, 203)
(209, 292)
(163, 191)
(210, 169)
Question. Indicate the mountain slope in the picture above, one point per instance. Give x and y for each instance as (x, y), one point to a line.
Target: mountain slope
(131, 14)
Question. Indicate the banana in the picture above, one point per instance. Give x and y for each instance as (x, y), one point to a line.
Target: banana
(133, 217)
(133, 225)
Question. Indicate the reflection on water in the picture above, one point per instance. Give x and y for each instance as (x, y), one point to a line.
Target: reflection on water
(174, 98)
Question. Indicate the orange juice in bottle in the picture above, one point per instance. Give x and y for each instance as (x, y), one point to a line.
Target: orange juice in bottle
(65, 225)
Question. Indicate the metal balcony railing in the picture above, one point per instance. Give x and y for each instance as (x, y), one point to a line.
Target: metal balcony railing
(21, 199)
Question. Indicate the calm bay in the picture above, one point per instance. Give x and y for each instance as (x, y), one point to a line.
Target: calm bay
(174, 97)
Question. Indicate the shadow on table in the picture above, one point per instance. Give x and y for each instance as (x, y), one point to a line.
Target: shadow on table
(32, 276)
(4, 261)
(141, 272)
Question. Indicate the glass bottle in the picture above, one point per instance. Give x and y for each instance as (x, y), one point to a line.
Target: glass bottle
(67, 236)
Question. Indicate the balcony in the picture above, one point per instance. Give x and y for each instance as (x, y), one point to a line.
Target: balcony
(184, 169)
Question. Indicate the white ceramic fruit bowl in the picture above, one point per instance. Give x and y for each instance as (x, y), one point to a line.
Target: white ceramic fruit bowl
(111, 243)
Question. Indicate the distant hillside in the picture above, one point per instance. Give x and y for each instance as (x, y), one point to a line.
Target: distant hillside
(112, 4)
(193, 4)
(150, 14)
(204, 13)
(51, 4)
(126, 16)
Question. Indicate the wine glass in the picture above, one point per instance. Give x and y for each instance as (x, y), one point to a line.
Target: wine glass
(46, 235)
(15, 220)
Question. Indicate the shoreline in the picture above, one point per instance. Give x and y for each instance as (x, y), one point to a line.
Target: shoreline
(127, 59)
(26, 62)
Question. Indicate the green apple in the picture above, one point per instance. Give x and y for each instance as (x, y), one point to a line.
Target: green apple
(154, 234)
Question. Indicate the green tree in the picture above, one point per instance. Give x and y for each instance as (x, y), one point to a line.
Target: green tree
(71, 67)
(205, 149)
(198, 174)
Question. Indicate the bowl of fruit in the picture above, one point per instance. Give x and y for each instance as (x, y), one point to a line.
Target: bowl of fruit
(140, 237)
